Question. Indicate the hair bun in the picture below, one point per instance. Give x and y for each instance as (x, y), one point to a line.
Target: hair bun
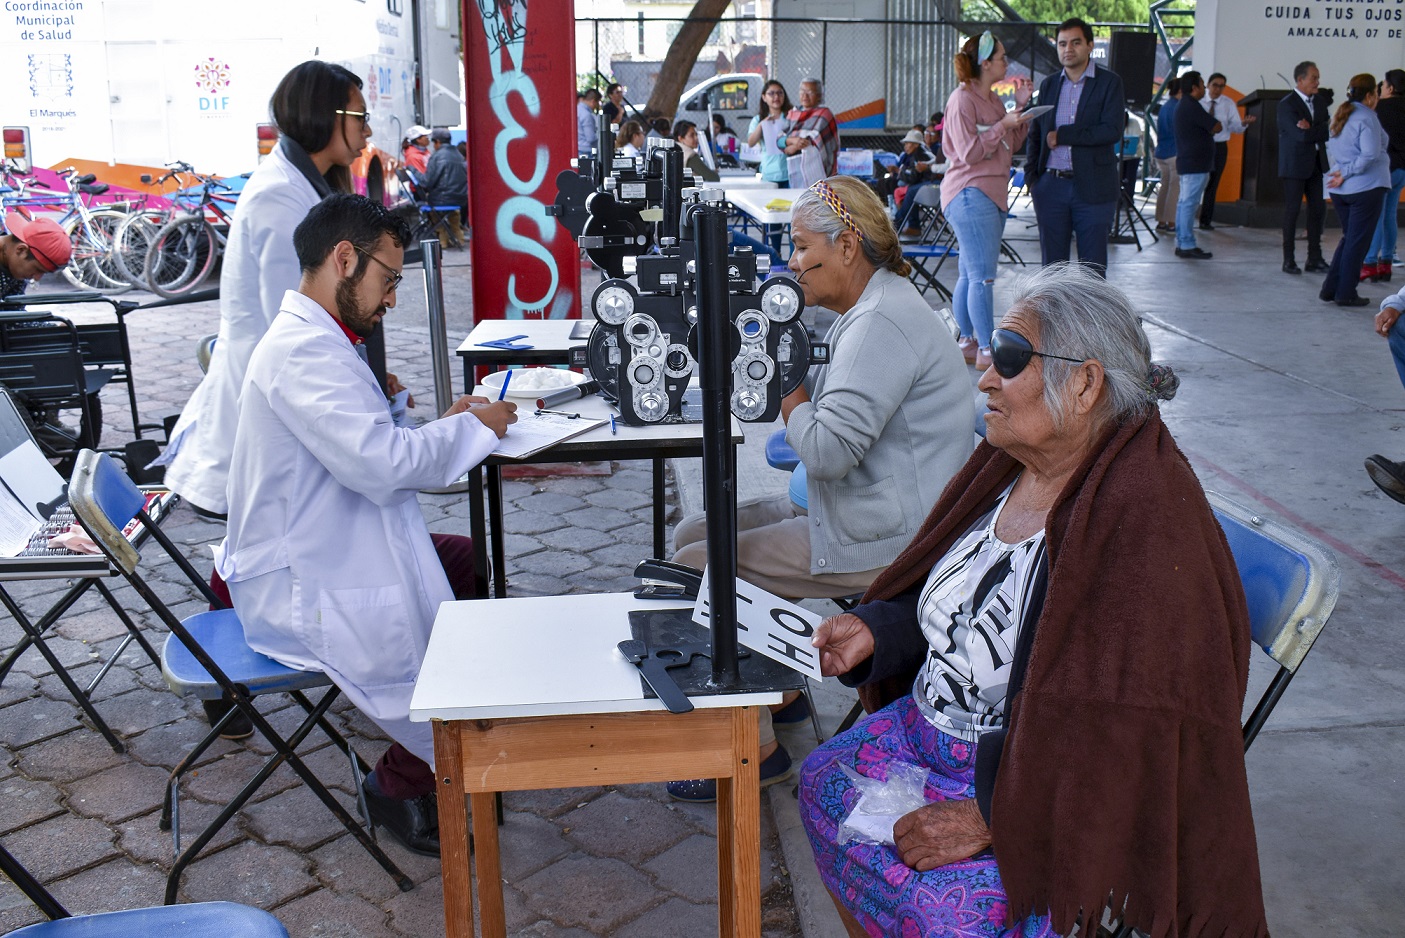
(1163, 382)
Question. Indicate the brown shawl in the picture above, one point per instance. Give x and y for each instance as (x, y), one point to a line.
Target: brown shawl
(1122, 777)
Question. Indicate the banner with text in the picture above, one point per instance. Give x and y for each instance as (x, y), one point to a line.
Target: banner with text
(1256, 45)
(519, 67)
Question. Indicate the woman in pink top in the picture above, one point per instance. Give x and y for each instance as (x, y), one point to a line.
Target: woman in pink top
(979, 140)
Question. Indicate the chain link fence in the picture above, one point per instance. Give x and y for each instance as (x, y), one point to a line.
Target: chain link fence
(880, 76)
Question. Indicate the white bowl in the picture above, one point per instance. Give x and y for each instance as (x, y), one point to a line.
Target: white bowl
(532, 383)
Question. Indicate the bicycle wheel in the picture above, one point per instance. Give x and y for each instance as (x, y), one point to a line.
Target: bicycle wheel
(181, 256)
(92, 266)
(132, 241)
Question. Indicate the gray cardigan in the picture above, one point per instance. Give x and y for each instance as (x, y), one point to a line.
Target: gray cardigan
(889, 422)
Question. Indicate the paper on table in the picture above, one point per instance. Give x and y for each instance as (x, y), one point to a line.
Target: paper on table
(778, 629)
(35, 483)
(535, 432)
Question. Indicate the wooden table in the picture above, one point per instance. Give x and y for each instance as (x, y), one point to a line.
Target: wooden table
(532, 693)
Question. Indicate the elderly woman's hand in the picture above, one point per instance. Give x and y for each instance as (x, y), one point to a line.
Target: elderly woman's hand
(844, 642)
(941, 833)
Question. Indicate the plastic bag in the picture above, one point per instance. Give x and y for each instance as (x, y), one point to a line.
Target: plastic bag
(881, 803)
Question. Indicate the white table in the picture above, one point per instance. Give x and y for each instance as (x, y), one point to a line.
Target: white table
(532, 693)
(754, 201)
(737, 179)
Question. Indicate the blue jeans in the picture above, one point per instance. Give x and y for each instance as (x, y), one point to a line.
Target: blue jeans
(1192, 189)
(1397, 347)
(979, 224)
(1383, 244)
(1063, 215)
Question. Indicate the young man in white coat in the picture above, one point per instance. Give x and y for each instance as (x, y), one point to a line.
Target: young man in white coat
(327, 557)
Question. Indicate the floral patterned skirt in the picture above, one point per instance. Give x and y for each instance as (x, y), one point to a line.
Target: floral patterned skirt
(960, 900)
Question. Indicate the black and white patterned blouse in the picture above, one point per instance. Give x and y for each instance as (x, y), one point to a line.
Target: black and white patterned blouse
(970, 611)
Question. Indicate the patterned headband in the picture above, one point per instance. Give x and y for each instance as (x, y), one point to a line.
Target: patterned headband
(831, 198)
(985, 48)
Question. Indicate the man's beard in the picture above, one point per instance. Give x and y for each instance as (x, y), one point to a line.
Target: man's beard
(349, 310)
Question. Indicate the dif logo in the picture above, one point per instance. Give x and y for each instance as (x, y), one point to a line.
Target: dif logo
(212, 79)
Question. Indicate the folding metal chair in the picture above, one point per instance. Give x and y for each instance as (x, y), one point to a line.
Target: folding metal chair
(87, 572)
(1291, 583)
(196, 920)
(206, 656)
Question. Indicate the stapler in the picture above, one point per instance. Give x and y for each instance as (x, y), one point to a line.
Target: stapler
(666, 580)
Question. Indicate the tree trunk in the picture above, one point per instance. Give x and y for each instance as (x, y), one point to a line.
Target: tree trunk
(682, 55)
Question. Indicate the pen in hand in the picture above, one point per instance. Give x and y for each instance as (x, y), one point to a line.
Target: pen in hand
(502, 392)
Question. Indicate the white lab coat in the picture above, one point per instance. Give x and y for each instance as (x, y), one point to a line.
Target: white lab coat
(327, 555)
(259, 267)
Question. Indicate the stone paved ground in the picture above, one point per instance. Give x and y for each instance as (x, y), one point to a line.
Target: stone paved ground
(597, 861)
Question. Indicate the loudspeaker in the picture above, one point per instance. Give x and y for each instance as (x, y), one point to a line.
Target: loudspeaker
(1133, 57)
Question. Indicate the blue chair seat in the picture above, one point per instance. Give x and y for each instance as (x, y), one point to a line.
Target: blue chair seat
(222, 636)
(192, 920)
(799, 496)
(779, 453)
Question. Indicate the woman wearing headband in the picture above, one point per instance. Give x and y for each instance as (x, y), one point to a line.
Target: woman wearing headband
(879, 429)
(1062, 654)
(979, 141)
(1357, 184)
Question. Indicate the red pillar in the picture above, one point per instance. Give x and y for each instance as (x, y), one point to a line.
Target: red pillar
(519, 66)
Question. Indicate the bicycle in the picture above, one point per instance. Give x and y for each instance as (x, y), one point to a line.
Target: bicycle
(133, 239)
(184, 251)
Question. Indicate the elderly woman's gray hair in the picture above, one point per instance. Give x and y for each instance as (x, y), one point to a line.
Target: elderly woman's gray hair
(1083, 316)
(879, 241)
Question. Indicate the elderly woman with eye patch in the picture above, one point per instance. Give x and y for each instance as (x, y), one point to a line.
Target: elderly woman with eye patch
(1063, 650)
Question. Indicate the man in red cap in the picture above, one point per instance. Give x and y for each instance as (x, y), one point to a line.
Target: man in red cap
(31, 247)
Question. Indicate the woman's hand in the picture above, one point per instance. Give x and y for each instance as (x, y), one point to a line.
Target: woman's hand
(1385, 319)
(844, 641)
(1011, 120)
(1335, 179)
(940, 833)
(1024, 90)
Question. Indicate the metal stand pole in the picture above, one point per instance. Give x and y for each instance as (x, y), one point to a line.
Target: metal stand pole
(719, 454)
(439, 342)
(438, 326)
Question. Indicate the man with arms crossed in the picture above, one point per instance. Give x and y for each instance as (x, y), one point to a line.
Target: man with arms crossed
(1073, 167)
(1302, 161)
(328, 558)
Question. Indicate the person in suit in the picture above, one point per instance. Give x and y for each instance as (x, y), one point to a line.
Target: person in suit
(1072, 166)
(1302, 160)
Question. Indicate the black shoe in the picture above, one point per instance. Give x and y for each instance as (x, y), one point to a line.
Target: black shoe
(1388, 476)
(1206, 226)
(1291, 267)
(1198, 254)
(1318, 266)
(1354, 301)
(412, 821)
(238, 726)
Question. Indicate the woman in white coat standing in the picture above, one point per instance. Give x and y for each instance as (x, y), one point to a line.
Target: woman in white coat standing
(321, 115)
